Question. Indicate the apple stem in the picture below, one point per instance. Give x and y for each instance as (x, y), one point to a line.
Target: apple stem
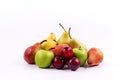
(69, 33)
(62, 27)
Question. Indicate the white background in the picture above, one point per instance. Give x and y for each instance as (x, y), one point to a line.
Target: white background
(24, 22)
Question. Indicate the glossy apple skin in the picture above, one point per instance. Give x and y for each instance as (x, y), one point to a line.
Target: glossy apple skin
(37, 47)
(95, 57)
(29, 55)
(30, 52)
(81, 54)
(58, 48)
(44, 58)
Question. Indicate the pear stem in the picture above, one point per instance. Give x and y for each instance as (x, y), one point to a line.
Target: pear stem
(43, 41)
(62, 27)
(69, 33)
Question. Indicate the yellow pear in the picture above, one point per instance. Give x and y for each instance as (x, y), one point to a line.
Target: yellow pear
(51, 37)
(49, 42)
(47, 45)
(65, 38)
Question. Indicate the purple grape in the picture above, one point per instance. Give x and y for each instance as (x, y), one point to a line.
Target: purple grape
(58, 62)
(73, 64)
(67, 53)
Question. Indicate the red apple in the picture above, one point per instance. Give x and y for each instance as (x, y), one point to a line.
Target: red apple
(95, 57)
(30, 52)
(58, 48)
(37, 47)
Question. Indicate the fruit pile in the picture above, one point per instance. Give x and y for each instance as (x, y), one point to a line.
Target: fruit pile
(65, 52)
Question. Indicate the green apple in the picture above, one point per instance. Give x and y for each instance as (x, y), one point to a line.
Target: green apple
(44, 58)
(81, 54)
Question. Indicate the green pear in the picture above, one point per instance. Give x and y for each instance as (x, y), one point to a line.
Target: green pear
(81, 54)
(43, 58)
(65, 38)
(83, 46)
(74, 43)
